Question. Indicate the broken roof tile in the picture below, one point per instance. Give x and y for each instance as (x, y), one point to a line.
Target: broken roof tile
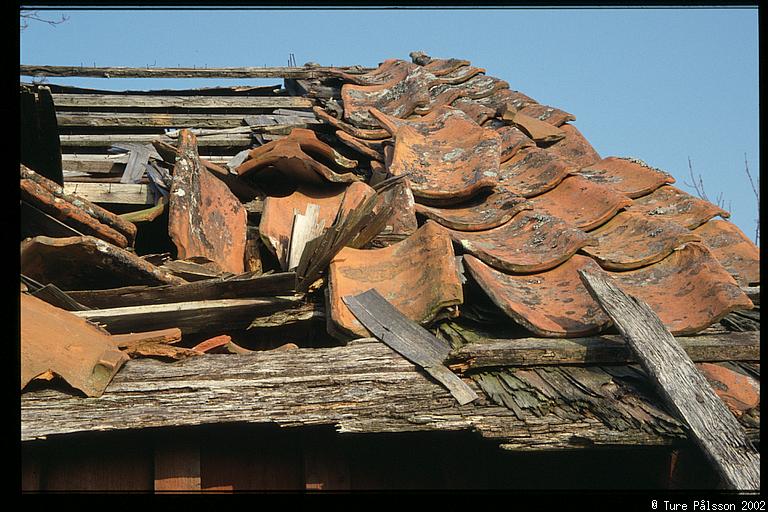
(276, 221)
(397, 99)
(739, 392)
(533, 171)
(501, 97)
(583, 203)
(633, 240)
(87, 263)
(418, 276)
(671, 203)
(480, 86)
(551, 115)
(540, 131)
(483, 212)
(448, 160)
(629, 176)
(553, 303)
(574, 147)
(391, 70)
(737, 253)
(402, 223)
(532, 241)
(303, 158)
(477, 112)
(689, 289)
(204, 217)
(373, 149)
(360, 133)
(56, 342)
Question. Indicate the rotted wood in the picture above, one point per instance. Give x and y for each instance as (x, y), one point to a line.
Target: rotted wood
(261, 286)
(363, 387)
(125, 72)
(112, 193)
(138, 102)
(681, 385)
(205, 316)
(236, 140)
(595, 350)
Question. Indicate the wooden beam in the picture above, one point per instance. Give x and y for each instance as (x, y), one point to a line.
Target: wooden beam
(112, 164)
(680, 384)
(124, 72)
(190, 317)
(142, 120)
(236, 140)
(596, 350)
(112, 193)
(362, 387)
(140, 101)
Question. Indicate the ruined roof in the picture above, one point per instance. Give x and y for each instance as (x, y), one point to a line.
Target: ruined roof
(467, 205)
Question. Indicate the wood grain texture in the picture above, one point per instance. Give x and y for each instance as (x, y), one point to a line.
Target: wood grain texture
(681, 385)
(362, 387)
(140, 101)
(125, 72)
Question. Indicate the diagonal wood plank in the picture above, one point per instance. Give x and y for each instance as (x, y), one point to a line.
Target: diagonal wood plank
(680, 384)
(408, 339)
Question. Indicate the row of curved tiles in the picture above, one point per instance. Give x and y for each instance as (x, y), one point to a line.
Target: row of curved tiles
(530, 203)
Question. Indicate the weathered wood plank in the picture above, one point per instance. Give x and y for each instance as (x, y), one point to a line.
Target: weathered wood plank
(63, 101)
(190, 317)
(680, 384)
(111, 164)
(596, 350)
(409, 339)
(125, 72)
(140, 120)
(261, 286)
(362, 387)
(112, 193)
(236, 140)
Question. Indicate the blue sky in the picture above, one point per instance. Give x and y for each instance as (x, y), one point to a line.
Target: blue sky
(662, 85)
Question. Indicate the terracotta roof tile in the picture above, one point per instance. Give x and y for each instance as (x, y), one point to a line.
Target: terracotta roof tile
(418, 276)
(739, 392)
(397, 99)
(474, 110)
(449, 160)
(551, 303)
(500, 98)
(629, 176)
(371, 149)
(671, 203)
(585, 204)
(442, 67)
(459, 74)
(540, 131)
(360, 133)
(533, 171)
(737, 253)
(551, 115)
(688, 289)
(532, 241)
(574, 147)
(512, 140)
(391, 70)
(483, 212)
(633, 240)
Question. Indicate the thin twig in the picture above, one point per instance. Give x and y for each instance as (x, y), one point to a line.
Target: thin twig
(756, 191)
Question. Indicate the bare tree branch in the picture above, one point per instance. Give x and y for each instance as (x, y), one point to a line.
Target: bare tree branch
(27, 16)
(756, 191)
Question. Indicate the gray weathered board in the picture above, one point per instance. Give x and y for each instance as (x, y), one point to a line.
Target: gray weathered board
(408, 339)
(682, 386)
(204, 72)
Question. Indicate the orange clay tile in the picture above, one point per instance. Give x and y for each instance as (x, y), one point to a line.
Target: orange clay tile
(483, 212)
(402, 222)
(533, 171)
(56, 342)
(574, 147)
(633, 240)
(461, 74)
(740, 392)
(551, 115)
(477, 112)
(499, 99)
(391, 70)
(551, 304)
(737, 253)
(360, 133)
(629, 176)
(688, 289)
(442, 67)
(396, 99)
(672, 204)
(475, 88)
(277, 216)
(449, 160)
(512, 140)
(531, 242)
(371, 149)
(540, 131)
(88, 263)
(302, 157)
(204, 217)
(581, 202)
(417, 275)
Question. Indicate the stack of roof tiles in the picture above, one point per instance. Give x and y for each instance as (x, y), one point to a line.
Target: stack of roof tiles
(528, 202)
